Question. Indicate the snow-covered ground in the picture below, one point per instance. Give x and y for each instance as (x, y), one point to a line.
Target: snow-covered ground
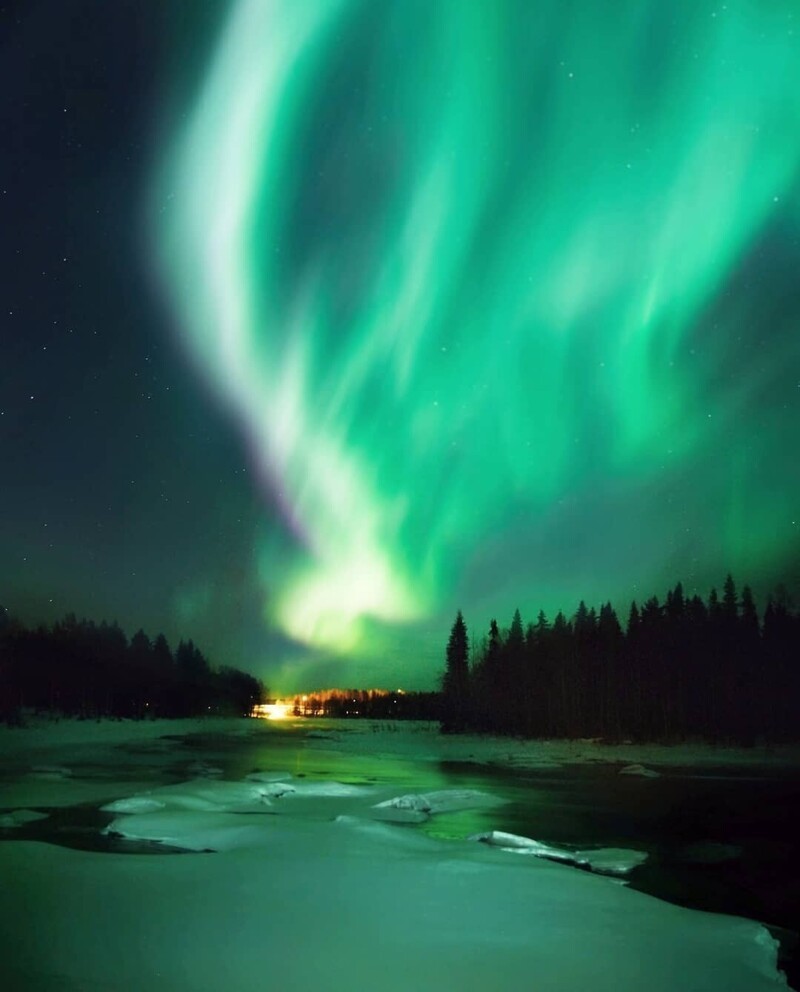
(297, 882)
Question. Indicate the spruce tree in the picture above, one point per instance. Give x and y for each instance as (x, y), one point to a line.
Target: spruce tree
(515, 635)
(730, 605)
(455, 683)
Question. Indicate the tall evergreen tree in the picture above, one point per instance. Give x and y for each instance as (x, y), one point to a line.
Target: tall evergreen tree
(515, 633)
(455, 684)
(730, 605)
(749, 617)
(541, 627)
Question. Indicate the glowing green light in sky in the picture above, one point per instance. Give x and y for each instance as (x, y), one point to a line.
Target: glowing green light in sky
(451, 265)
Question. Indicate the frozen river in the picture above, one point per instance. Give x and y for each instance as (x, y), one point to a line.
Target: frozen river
(342, 860)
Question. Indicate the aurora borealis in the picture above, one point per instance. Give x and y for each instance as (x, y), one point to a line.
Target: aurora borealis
(497, 301)
(456, 266)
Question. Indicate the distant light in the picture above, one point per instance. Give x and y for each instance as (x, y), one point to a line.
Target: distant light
(272, 711)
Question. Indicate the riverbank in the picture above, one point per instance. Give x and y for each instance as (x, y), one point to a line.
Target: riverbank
(416, 740)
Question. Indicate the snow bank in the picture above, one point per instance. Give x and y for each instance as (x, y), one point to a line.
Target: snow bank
(304, 905)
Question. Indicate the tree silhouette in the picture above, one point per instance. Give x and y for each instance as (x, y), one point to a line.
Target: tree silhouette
(682, 669)
(455, 684)
(82, 669)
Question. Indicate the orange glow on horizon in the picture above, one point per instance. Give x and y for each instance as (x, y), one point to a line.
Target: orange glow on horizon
(279, 710)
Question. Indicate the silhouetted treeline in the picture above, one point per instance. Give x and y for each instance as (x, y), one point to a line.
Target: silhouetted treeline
(79, 668)
(677, 669)
(374, 704)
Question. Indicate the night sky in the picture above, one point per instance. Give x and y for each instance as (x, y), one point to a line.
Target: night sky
(321, 319)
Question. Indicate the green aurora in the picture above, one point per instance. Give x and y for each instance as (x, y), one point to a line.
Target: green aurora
(503, 298)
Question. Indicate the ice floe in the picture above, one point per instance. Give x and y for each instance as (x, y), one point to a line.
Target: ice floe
(199, 795)
(267, 776)
(19, 817)
(604, 860)
(639, 770)
(192, 830)
(443, 801)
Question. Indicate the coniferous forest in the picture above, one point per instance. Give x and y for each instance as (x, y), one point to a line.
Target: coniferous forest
(672, 670)
(83, 669)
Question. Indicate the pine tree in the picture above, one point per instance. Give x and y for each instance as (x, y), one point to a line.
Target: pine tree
(455, 683)
(749, 619)
(515, 687)
(541, 627)
(730, 605)
(515, 635)
(490, 700)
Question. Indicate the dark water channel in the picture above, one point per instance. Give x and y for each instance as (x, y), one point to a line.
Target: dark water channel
(721, 841)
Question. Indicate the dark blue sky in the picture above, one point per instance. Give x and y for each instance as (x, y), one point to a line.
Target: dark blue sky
(121, 481)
